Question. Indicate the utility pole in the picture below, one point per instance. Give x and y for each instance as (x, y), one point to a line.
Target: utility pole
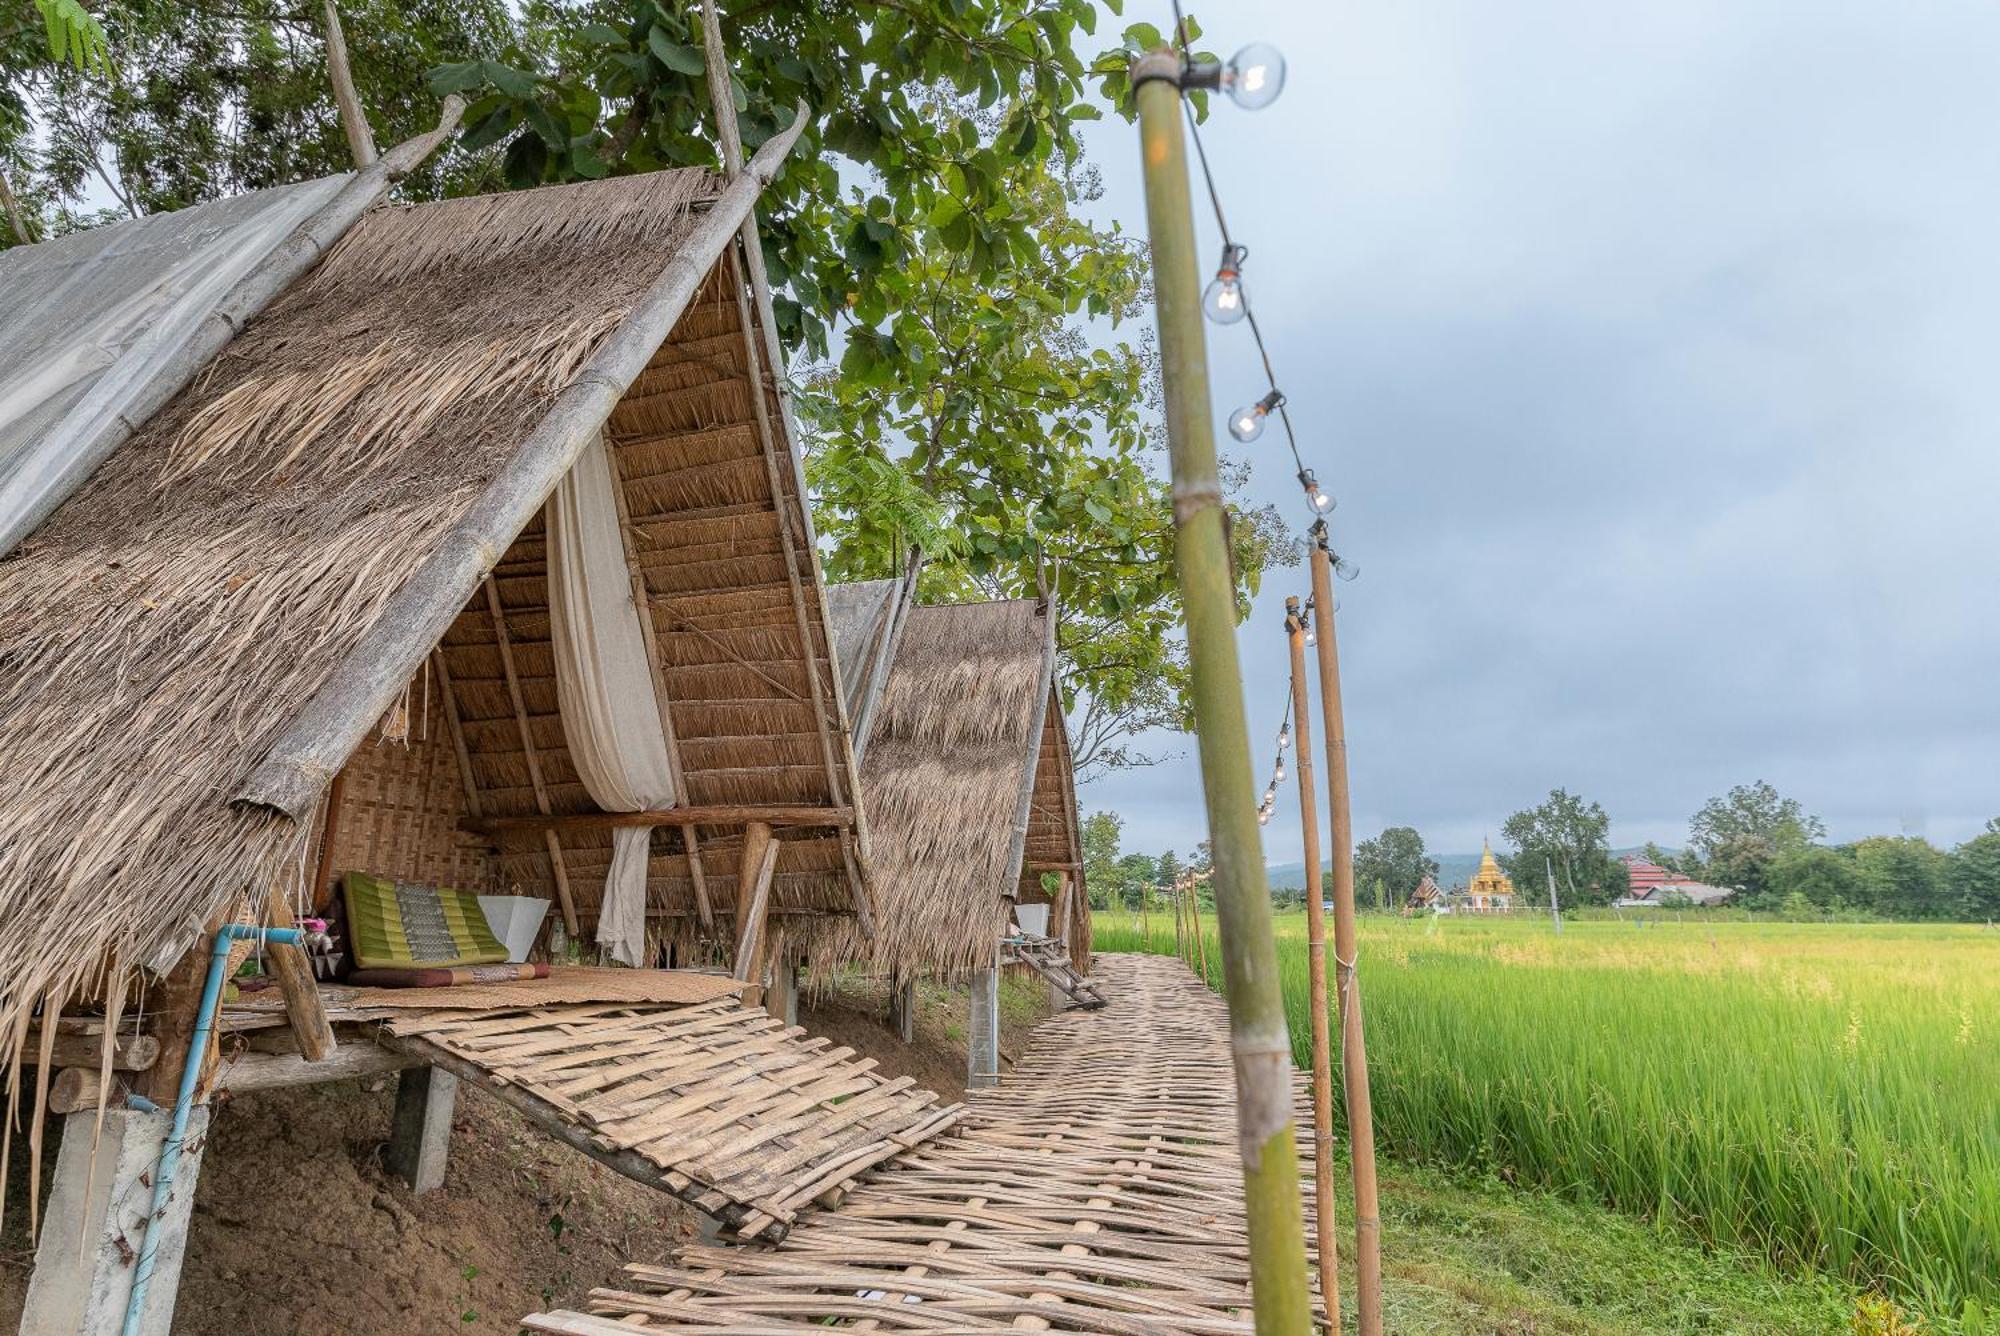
(1353, 1046)
(1260, 1045)
(1555, 909)
(1322, 1041)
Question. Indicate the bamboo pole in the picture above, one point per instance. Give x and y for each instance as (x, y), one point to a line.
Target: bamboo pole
(1322, 1040)
(353, 118)
(1353, 1046)
(1194, 915)
(558, 869)
(1258, 1041)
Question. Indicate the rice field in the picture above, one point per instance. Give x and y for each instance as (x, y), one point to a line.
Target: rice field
(1824, 1095)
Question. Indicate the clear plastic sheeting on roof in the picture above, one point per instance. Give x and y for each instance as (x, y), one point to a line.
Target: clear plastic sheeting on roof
(89, 321)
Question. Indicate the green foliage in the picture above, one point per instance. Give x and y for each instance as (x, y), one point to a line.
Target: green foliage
(1571, 836)
(1736, 836)
(75, 36)
(1388, 867)
(1975, 876)
(206, 101)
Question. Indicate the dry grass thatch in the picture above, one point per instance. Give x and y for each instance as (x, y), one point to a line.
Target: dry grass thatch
(952, 760)
(174, 614)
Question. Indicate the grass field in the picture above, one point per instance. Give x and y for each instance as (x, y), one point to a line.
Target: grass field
(1825, 1096)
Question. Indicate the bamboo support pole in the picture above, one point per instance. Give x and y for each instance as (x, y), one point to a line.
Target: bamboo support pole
(329, 831)
(1194, 917)
(557, 868)
(1353, 1044)
(1322, 1039)
(1259, 1044)
(353, 117)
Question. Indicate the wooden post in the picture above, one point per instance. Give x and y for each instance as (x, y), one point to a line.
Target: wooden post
(293, 969)
(903, 1008)
(1194, 914)
(322, 884)
(420, 1136)
(753, 906)
(1353, 1044)
(982, 1038)
(1322, 1040)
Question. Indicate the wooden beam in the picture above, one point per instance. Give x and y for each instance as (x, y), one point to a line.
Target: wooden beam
(556, 865)
(1038, 865)
(710, 815)
(129, 1053)
(456, 727)
(292, 968)
(753, 902)
(75, 1088)
(700, 878)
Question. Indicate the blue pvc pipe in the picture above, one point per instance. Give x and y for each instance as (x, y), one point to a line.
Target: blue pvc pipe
(170, 1149)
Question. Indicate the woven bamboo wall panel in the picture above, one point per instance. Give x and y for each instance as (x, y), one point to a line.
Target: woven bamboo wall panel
(401, 804)
(1098, 1189)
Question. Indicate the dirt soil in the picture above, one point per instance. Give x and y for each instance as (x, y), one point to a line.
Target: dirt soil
(297, 1228)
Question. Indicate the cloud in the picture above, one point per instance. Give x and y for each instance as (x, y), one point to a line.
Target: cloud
(1649, 351)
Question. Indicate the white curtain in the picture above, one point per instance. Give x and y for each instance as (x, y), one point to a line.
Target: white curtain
(604, 686)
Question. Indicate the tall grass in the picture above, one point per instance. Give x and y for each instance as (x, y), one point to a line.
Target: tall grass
(1826, 1095)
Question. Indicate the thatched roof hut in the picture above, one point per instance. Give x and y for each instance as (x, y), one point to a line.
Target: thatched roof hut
(336, 534)
(970, 794)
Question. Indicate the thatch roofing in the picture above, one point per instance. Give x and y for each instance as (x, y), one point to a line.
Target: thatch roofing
(951, 782)
(251, 580)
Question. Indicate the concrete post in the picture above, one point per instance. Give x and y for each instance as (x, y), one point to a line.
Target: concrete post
(420, 1137)
(982, 1039)
(83, 1263)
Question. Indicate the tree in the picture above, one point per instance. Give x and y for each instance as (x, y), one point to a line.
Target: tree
(1672, 862)
(1100, 834)
(1138, 877)
(1752, 812)
(1390, 865)
(1571, 836)
(1904, 877)
(1975, 875)
(1821, 878)
(205, 100)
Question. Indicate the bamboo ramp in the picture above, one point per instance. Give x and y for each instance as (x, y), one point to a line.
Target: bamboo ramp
(720, 1104)
(1050, 959)
(1097, 1189)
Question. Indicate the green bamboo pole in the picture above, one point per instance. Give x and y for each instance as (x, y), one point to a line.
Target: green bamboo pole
(1322, 1039)
(1258, 1039)
(1353, 1044)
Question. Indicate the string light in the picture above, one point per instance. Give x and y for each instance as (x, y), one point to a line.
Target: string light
(1247, 424)
(1253, 78)
(1284, 737)
(1224, 301)
(1320, 501)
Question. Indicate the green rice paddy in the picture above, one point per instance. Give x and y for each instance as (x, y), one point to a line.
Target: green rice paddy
(1826, 1096)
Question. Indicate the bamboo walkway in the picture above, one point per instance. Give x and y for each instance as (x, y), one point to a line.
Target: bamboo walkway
(1097, 1189)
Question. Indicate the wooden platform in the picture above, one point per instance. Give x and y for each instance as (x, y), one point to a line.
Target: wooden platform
(1097, 1189)
(718, 1103)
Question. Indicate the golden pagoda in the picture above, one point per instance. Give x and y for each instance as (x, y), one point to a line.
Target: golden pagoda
(1490, 889)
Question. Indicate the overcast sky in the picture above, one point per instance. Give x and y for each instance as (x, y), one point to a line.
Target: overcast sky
(1653, 352)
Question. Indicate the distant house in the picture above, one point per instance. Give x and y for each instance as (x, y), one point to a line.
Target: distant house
(1426, 896)
(1652, 886)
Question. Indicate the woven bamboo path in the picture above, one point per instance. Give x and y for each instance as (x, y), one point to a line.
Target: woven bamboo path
(1097, 1189)
(745, 1117)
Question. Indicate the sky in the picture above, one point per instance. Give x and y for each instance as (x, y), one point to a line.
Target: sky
(1650, 350)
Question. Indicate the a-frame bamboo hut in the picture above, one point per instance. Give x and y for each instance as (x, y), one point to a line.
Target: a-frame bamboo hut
(358, 596)
(970, 792)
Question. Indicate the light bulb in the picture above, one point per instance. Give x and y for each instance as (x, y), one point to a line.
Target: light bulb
(1312, 636)
(1255, 76)
(1224, 301)
(1284, 737)
(1247, 424)
(1317, 499)
(1279, 773)
(1263, 816)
